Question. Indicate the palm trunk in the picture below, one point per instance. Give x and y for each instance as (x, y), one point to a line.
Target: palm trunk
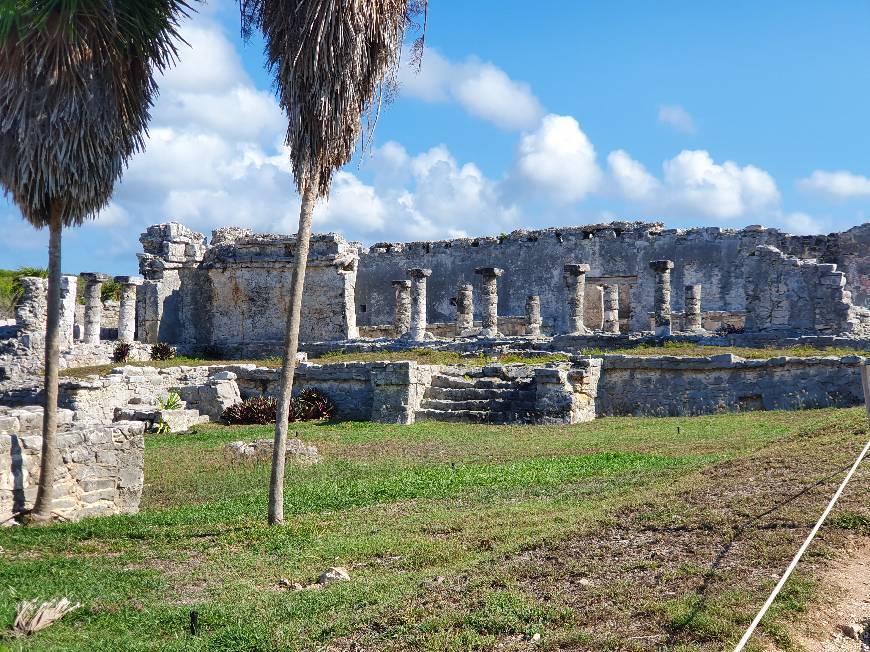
(50, 454)
(291, 346)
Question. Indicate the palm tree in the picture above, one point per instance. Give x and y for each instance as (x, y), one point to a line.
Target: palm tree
(334, 62)
(76, 88)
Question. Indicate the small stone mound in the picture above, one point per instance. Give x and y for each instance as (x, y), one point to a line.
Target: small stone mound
(297, 451)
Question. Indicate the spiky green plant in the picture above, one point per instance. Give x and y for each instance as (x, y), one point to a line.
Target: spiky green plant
(77, 83)
(334, 63)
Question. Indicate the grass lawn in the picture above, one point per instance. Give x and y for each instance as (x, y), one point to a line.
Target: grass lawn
(624, 533)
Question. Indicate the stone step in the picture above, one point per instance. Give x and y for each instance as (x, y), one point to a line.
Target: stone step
(484, 405)
(476, 393)
(488, 382)
(472, 416)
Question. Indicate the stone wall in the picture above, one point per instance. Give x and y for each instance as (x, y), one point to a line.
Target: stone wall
(617, 253)
(234, 294)
(785, 293)
(671, 386)
(101, 470)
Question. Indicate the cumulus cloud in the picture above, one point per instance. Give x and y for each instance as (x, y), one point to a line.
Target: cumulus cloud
(694, 185)
(481, 88)
(801, 224)
(838, 185)
(677, 117)
(556, 161)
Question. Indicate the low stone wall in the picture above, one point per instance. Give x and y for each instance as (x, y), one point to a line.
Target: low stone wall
(672, 386)
(97, 399)
(569, 392)
(101, 470)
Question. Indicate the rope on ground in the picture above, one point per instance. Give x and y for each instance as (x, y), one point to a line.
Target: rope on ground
(865, 379)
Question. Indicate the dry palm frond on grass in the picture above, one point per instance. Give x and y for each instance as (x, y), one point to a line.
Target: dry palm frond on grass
(33, 616)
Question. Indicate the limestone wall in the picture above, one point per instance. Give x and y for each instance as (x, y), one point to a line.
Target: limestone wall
(785, 293)
(101, 471)
(617, 253)
(234, 294)
(671, 386)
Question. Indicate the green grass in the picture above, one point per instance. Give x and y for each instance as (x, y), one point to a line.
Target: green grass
(438, 524)
(690, 349)
(432, 356)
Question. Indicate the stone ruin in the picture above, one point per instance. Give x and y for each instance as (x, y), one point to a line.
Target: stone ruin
(230, 295)
(534, 292)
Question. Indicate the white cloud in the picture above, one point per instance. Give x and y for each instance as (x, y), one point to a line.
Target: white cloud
(839, 185)
(801, 224)
(677, 117)
(631, 177)
(481, 88)
(556, 161)
(694, 185)
(352, 206)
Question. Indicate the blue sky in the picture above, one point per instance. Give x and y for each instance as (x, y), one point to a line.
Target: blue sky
(690, 113)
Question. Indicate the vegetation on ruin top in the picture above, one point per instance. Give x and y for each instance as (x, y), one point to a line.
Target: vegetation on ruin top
(690, 349)
(432, 356)
(656, 533)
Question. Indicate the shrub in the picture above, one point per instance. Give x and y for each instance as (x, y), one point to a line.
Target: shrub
(729, 329)
(162, 351)
(121, 352)
(256, 410)
(171, 402)
(310, 405)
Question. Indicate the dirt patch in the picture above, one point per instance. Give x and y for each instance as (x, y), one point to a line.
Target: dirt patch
(691, 570)
(840, 622)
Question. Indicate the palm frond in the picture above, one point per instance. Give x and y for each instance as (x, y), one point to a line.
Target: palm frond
(77, 84)
(334, 63)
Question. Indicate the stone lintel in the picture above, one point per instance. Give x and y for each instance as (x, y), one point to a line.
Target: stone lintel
(489, 271)
(576, 269)
(661, 266)
(94, 277)
(129, 280)
(419, 272)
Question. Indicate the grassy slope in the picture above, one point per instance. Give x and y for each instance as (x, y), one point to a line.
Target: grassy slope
(456, 537)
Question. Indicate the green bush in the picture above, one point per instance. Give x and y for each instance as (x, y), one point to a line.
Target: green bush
(310, 405)
(171, 402)
(121, 352)
(162, 351)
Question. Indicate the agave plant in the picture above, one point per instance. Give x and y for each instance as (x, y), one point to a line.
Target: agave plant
(334, 63)
(77, 82)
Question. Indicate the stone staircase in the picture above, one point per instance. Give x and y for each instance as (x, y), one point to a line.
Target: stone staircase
(479, 395)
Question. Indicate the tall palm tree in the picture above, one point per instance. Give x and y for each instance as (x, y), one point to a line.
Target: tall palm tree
(334, 63)
(76, 89)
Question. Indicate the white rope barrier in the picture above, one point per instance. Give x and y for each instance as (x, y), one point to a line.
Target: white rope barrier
(865, 381)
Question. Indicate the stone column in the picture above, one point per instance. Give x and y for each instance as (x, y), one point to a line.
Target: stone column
(599, 299)
(489, 299)
(127, 307)
(464, 309)
(418, 302)
(692, 309)
(662, 296)
(533, 315)
(93, 306)
(68, 289)
(611, 308)
(402, 321)
(575, 281)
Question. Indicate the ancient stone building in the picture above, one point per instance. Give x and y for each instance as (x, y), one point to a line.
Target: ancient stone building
(232, 293)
